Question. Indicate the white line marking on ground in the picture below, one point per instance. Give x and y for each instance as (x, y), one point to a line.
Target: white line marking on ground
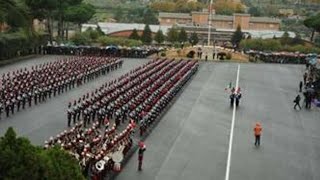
(232, 127)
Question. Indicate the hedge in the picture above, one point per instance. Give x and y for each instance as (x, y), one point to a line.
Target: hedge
(275, 45)
(19, 43)
(106, 40)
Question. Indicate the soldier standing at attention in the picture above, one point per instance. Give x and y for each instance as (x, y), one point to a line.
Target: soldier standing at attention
(69, 114)
(142, 148)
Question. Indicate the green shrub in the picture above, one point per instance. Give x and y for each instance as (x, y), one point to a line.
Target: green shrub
(81, 39)
(163, 54)
(19, 43)
(228, 56)
(106, 40)
(275, 45)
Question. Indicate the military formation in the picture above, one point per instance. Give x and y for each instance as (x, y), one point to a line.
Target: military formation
(133, 101)
(26, 87)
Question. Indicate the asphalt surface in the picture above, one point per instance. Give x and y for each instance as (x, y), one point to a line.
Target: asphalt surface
(191, 141)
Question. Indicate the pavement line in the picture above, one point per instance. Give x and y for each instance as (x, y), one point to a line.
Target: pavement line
(232, 128)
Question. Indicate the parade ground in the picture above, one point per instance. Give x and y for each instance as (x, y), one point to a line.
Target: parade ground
(192, 140)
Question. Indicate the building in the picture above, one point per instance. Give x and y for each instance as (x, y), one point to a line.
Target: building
(200, 19)
(222, 26)
(217, 35)
(124, 29)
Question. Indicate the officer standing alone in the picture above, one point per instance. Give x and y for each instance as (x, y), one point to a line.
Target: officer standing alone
(142, 148)
(257, 133)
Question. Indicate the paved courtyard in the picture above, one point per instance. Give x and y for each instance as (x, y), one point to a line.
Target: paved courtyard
(192, 139)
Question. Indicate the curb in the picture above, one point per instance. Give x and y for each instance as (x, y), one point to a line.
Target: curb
(17, 59)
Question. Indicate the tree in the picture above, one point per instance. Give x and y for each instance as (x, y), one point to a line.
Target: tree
(149, 16)
(20, 160)
(134, 35)
(60, 165)
(297, 39)
(254, 11)
(146, 36)
(99, 30)
(237, 37)
(80, 14)
(227, 7)
(81, 39)
(43, 9)
(163, 6)
(313, 22)
(194, 39)
(173, 35)
(13, 15)
(159, 37)
(118, 15)
(285, 39)
(183, 37)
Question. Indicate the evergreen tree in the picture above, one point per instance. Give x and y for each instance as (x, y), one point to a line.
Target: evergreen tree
(159, 37)
(173, 35)
(297, 39)
(285, 39)
(134, 35)
(146, 35)
(237, 37)
(183, 37)
(194, 39)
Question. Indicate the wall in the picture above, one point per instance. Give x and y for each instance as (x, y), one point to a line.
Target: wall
(200, 18)
(264, 26)
(242, 20)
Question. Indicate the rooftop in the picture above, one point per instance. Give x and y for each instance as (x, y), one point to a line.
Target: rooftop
(109, 28)
(222, 17)
(264, 19)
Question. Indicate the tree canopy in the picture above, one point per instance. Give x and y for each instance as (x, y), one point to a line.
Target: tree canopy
(159, 37)
(173, 35)
(313, 22)
(14, 15)
(79, 13)
(19, 160)
(183, 37)
(237, 37)
(134, 35)
(146, 36)
(176, 6)
(228, 7)
(194, 39)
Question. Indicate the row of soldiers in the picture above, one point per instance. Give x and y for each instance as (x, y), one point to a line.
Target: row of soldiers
(119, 101)
(106, 100)
(159, 100)
(23, 87)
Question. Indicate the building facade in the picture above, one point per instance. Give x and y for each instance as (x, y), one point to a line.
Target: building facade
(200, 19)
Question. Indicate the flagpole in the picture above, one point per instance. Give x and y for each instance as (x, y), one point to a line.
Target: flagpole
(209, 23)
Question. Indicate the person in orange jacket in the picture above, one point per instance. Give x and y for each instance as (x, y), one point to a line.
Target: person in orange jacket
(257, 133)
